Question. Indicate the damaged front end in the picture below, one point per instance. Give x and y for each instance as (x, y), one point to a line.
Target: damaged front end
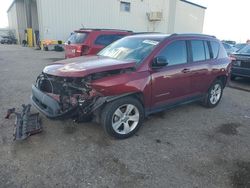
(65, 97)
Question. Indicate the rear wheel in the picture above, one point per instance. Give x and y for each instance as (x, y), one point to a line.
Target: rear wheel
(123, 117)
(214, 94)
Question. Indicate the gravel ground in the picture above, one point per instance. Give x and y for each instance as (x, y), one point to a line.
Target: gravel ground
(189, 146)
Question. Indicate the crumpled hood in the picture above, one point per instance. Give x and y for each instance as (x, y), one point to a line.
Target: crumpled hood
(83, 66)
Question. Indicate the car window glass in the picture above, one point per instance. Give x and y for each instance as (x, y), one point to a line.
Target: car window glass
(207, 50)
(105, 40)
(227, 46)
(223, 53)
(130, 48)
(245, 50)
(175, 53)
(215, 49)
(198, 50)
(77, 38)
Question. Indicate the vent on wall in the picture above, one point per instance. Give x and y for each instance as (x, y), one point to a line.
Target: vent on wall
(154, 16)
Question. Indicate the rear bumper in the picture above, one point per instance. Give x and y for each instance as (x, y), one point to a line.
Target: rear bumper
(47, 105)
(239, 71)
(69, 54)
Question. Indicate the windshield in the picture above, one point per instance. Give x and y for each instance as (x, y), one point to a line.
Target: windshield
(77, 38)
(130, 49)
(239, 46)
(245, 50)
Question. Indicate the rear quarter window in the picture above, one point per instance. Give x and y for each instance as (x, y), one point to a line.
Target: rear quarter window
(215, 46)
(223, 52)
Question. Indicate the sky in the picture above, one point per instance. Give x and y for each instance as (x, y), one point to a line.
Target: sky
(225, 19)
(4, 5)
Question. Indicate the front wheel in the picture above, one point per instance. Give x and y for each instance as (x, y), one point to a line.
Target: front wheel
(214, 94)
(123, 117)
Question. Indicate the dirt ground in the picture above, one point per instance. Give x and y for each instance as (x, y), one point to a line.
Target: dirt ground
(189, 146)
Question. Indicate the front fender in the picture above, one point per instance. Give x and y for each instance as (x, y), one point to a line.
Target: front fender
(103, 100)
(125, 84)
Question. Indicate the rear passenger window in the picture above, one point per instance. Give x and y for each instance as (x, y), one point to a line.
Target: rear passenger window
(198, 50)
(175, 53)
(215, 49)
(105, 40)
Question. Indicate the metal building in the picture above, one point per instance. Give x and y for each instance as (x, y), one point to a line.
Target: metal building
(56, 19)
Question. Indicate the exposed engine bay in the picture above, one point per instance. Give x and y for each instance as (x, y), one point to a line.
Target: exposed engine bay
(67, 96)
(69, 92)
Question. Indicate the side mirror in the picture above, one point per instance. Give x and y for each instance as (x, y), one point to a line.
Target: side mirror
(69, 42)
(159, 62)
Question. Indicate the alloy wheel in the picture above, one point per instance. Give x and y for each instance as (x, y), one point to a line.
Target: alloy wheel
(215, 93)
(125, 119)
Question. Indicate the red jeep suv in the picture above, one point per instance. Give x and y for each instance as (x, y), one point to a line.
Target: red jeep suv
(91, 41)
(133, 77)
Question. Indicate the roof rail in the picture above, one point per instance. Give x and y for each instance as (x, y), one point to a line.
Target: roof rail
(173, 34)
(193, 34)
(103, 29)
(138, 33)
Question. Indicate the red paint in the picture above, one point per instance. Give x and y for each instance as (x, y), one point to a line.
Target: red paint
(88, 47)
(83, 66)
(157, 86)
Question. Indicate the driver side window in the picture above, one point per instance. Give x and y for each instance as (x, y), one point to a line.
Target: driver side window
(175, 53)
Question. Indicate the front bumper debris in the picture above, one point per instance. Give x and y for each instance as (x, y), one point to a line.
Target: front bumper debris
(26, 124)
(51, 108)
(47, 105)
(62, 98)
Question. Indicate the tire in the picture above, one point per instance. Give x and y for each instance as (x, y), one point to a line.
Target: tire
(214, 94)
(122, 118)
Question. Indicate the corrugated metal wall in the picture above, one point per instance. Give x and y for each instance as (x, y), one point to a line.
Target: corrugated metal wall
(17, 19)
(189, 18)
(12, 19)
(58, 18)
(34, 15)
(21, 19)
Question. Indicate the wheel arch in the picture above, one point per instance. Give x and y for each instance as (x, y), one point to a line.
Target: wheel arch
(104, 100)
(136, 95)
(223, 79)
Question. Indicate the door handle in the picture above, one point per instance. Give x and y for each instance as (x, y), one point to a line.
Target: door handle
(185, 70)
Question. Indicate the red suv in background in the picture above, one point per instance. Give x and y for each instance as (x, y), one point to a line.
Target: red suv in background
(91, 41)
(133, 77)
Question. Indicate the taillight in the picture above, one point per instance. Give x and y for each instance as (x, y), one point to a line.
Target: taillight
(79, 49)
(82, 50)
